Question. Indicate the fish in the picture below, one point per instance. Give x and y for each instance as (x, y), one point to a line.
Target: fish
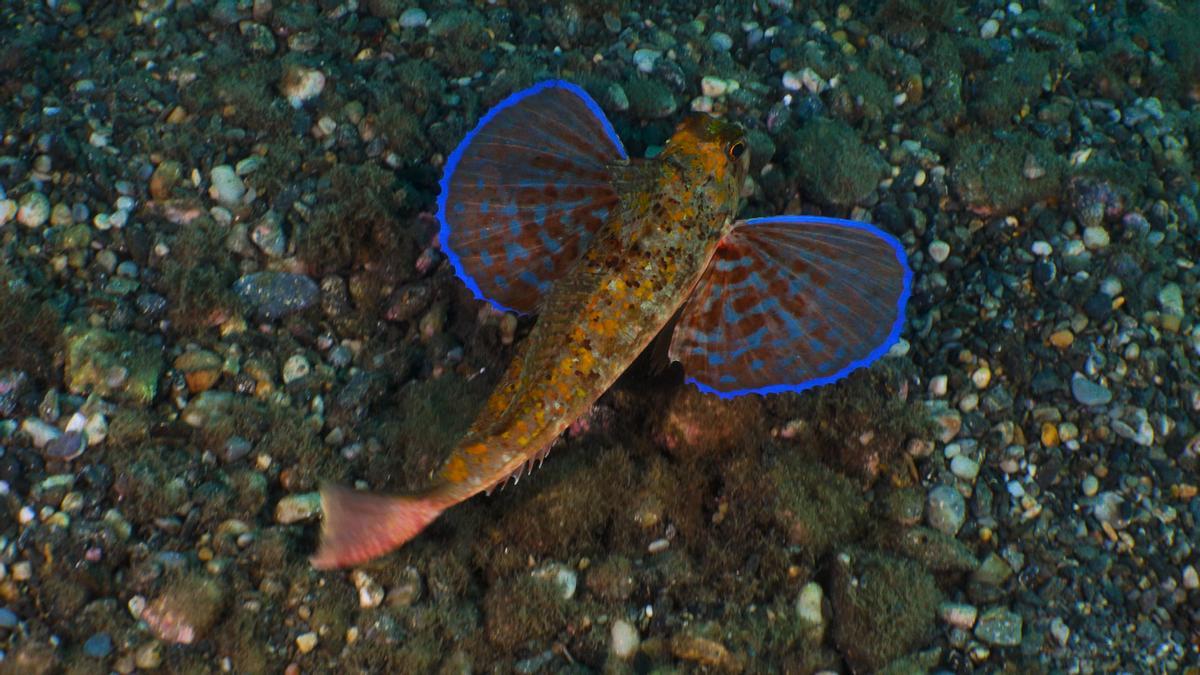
(541, 211)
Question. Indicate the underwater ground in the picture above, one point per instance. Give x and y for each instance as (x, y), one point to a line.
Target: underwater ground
(220, 287)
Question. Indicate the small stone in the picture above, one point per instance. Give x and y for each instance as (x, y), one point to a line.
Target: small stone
(66, 447)
(1095, 238)
(301, 84)
(713, 87)
(164, 179)
(98, 646)
(413, 17)
(1191, 579)
(186, 610)
(958, 614)
(965, 468)
(939, 251)
(981, 377)
(999, 627)
(370, 593)
(950, 422)
(149, 655)
(645, 59)
(295, 368)
(808, 605)
(8, 619)
(297, 508)
(939, 385)
(40, 433)
(33, 210)
(562, 576)
(624, 638)
(408, 588)
(1061, 631)
(8, 209)
(993, 571)
(227, 187)
(277, 294)
(947, 509)
(201, 369)
(22, 571)
(720, 42)
(1170, 299)
(1089, 393)
(306, 642)
(1062, 338)
(989, 29)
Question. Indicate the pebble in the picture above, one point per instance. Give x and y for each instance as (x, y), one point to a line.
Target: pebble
(624, 639)
(66, 447)
(1087, 392)
(939, 251)
(808, 605)
(720, 42)
(947, 509)
(1061, 631)
(98, 646)
(958, 614)
(714, 87)
(1062, 338)
(301, 85)
(965, 468)
(277, 294)
(645, 59)
(295, 368)
(1191, 579)
(562, 576)
(149, 655)
(1090, 485)
(8, 209)
(370, 593)
(982, 377)
(40, 433)
(1095, 238)
(1042, 248)
(939, 385)
(227, 187)
(413, 17)
(306, 642)
(989, 29)
(1170, 299)
(298, 507)
(999, 627)
(8, 619)
(34, 210)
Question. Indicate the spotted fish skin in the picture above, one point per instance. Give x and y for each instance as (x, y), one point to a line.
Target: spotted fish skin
(595, 320)
(611, 304)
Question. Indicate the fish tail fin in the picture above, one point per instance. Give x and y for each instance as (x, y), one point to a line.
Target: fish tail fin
(359, 526)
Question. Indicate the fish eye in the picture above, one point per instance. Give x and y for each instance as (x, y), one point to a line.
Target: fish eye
(736, 149)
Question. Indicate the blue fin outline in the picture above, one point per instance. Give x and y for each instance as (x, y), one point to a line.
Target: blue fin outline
(456, 156)
(892, 338)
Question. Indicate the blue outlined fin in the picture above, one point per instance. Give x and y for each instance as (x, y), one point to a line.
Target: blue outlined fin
(792, 302)
(525, 191)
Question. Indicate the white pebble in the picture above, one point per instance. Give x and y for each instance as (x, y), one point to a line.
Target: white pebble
(34, 210)
(1090, 486)
(370, 593)
(982, 377)
(227, 188)
(1042, 248)
(989, 29)
(1061, 631)
(22, 571)
(702, 104)
(8, 209)
(297, 507)
(413, 17)
(939, 250)
(791, 81)
(624, 639)
(306, 642)
(1095, 238)
(808, 605)
(301, 85)
(939, 385)
(964, 467)
(959, 614)
(658, 546)
(713, 87)
(645, 59)
(1191, 579)
(295, 368)
(40, 432)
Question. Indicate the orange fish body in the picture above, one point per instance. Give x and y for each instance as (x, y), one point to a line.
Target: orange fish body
(613, 289)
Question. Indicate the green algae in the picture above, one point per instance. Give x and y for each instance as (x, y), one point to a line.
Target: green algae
(989, 172)
(817, 508)
(125, 366)
(834, 165)
(520, 609)
(1009, 86)
(30, 332)
(884, 607)
(198, 277)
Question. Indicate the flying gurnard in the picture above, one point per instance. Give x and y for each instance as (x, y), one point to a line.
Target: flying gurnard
(542, 211)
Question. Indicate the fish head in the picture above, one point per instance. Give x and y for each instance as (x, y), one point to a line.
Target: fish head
(711, 148)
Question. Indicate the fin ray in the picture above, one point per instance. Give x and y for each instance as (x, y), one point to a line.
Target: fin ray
(792, 302)
(524, 192)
